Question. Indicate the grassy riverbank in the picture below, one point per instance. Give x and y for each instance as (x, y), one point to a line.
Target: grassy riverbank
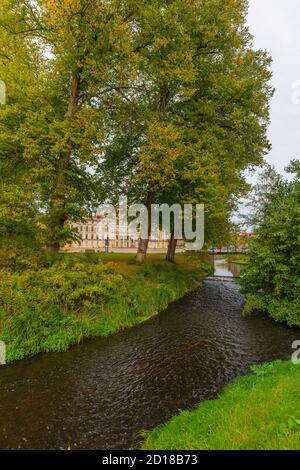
(259, 412)
(88, 295)
(237, 259)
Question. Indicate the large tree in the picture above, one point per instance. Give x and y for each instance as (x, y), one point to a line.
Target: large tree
(226, 118)
(171, 102)
(204, 118)
(19, 206)
(86, 52)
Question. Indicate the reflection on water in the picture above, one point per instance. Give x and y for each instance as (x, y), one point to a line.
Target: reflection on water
(103, 393)
(223, 268)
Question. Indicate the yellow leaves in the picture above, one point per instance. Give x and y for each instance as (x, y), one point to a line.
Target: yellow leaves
(136, 57)
(41, 226)
(56, 8)
(51, 8)
(61, 15)
(71, 5)
(160, 42)
(160, 153)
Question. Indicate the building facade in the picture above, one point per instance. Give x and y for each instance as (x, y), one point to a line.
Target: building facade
(90, 241)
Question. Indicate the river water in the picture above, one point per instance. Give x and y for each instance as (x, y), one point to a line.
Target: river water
(103, 393)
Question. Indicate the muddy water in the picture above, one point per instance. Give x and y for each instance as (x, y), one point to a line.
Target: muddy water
(103, 393)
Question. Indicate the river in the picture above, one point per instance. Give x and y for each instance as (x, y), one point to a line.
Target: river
(103, 393)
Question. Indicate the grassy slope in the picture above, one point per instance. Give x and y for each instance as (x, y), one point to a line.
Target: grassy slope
(87, 295)
(256, 412)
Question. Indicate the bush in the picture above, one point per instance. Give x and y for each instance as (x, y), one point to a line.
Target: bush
(50, 308)
(271, 279)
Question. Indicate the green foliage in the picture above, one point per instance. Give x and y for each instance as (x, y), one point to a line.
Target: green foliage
(64, 64)
(151, 97)
(259, 412)
(237, 259)
(271, 279)
(194, 125)
(226, 118)
(51, 308)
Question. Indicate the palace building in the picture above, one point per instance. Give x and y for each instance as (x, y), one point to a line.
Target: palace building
(90, 240)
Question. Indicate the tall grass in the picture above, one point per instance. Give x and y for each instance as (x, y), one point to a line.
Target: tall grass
(82, 296)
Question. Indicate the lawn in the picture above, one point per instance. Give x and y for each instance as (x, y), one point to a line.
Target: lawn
(258, 412)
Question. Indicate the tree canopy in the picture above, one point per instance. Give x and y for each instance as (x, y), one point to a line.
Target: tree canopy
(168, 103)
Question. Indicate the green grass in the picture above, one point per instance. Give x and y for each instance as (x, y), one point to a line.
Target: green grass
(87, 295)
(259, 412)
(237, 259)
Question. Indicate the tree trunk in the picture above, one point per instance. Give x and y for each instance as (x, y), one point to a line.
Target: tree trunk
(51, 248)
(171, 249)
(142, 250)
(144, 242)
(58, 214)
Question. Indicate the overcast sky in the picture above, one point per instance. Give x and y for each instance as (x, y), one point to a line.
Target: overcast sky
(275, 26)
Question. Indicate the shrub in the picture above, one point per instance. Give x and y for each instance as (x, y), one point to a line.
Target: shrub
(50, 308)
(271, 279)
